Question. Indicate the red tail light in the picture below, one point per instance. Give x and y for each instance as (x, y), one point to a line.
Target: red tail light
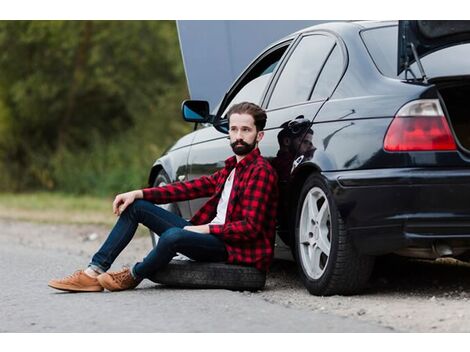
(418, 126)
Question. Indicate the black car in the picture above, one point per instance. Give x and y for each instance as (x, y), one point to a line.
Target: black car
(369, 132)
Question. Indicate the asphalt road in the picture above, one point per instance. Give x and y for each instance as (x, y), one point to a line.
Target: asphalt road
(29, 305)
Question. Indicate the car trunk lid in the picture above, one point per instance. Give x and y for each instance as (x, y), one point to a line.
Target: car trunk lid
(417, 39)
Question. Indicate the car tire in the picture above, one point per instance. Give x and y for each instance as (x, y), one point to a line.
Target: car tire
(191, 274)
(327, 260)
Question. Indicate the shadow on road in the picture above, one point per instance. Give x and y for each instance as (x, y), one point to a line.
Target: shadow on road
(441, 278)
(393, 274)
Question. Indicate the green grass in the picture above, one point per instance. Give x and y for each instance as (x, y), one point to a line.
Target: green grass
(57, 208)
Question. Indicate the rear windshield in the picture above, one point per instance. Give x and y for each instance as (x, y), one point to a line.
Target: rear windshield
(382, 44)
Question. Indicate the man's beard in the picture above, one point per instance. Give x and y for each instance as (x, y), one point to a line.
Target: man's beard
(242, 148)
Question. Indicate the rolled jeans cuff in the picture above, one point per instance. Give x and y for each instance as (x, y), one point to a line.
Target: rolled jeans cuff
(134, 274)
(96, 268)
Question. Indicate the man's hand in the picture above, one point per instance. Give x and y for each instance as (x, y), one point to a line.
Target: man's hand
(198, 228)
(122, 201)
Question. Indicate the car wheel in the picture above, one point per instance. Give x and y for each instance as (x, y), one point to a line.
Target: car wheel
(162, 179)
(327, 260)
(188, 274)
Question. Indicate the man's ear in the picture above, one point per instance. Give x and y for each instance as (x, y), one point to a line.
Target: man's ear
(260, 136)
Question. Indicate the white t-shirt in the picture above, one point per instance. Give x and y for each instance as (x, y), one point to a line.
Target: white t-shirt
(223, 201)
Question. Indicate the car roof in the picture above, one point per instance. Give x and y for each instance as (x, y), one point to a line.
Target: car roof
(340, 25)
(375, 24)
(333, 26)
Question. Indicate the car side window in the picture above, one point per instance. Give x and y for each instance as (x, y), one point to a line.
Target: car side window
(296, 81)
(329, 76)
(252, 92)
(382, 46)
(254, 82)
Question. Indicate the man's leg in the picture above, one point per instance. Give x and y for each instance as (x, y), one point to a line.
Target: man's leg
(155, 218)
(197, 246)
(141, 211)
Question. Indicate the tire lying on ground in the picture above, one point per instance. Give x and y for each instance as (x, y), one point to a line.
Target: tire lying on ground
(191, 274)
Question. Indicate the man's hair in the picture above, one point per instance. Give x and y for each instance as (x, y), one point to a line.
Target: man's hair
(299, 127)
(258, 114)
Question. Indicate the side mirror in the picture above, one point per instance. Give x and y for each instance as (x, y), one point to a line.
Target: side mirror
(195, 111)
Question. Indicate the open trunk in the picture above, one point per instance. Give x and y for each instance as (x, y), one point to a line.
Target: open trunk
(455, 92)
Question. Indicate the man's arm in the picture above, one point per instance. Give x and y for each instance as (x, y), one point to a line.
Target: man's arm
(254, 202)
(198, 228)
(173, 192)
(179, 191)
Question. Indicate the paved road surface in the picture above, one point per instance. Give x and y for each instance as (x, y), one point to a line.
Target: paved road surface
(29, 305)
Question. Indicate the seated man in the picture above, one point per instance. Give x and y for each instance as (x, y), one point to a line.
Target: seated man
(236, 225)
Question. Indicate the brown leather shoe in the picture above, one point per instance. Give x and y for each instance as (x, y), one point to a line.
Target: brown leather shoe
(77, 282)
(118, 280)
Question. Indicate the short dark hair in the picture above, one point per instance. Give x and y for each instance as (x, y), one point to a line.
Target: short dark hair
(258, 114)
(299, 127)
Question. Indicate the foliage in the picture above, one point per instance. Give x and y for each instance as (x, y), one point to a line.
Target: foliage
(86, 106)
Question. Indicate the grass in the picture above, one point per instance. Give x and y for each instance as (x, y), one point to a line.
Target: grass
(57, 208)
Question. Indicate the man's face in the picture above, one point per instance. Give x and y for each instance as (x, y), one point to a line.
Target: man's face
(302, 145)
(243, 134)
(305, 145)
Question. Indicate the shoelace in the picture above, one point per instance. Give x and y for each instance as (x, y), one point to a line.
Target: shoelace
(121, 276)
(72, 276)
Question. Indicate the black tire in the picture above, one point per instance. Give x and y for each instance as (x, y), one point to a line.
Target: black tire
(190, 274)
(340, 269)
(163, 179)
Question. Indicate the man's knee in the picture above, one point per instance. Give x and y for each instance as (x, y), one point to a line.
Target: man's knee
(138, 204)
(137, 208)
(171, 237)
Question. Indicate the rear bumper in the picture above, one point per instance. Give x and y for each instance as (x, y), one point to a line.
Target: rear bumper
(387, 210)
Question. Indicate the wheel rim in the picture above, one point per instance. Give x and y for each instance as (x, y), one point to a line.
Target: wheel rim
(167, 207)
(155, 237)
(164, 206)
(315, 233)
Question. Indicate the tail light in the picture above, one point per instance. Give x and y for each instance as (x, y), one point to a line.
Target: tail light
(419, 125)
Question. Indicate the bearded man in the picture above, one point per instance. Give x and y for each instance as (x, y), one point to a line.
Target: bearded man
(236, 225)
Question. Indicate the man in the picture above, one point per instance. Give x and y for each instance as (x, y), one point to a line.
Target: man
(236, 225)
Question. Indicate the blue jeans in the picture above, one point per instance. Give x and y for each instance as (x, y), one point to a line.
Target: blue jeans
(173, 239)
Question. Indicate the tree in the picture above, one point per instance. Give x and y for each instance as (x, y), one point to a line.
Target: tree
(69, 87)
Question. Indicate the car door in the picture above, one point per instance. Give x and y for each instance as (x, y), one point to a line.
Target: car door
(307, 79)
(211, 147)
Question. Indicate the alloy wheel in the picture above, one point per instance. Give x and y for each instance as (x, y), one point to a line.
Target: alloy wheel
(315, 233)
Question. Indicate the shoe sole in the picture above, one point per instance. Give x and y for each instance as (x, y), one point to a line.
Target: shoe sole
(76, 289)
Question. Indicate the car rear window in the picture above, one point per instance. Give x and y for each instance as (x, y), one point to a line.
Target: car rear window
(382, 45)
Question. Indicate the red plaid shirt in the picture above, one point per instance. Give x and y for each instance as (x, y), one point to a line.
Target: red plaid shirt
(250, 224)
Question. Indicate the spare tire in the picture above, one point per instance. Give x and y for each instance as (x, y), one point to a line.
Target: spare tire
(191, 274)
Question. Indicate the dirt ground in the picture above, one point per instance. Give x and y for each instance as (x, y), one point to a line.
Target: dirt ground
(406, 295)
